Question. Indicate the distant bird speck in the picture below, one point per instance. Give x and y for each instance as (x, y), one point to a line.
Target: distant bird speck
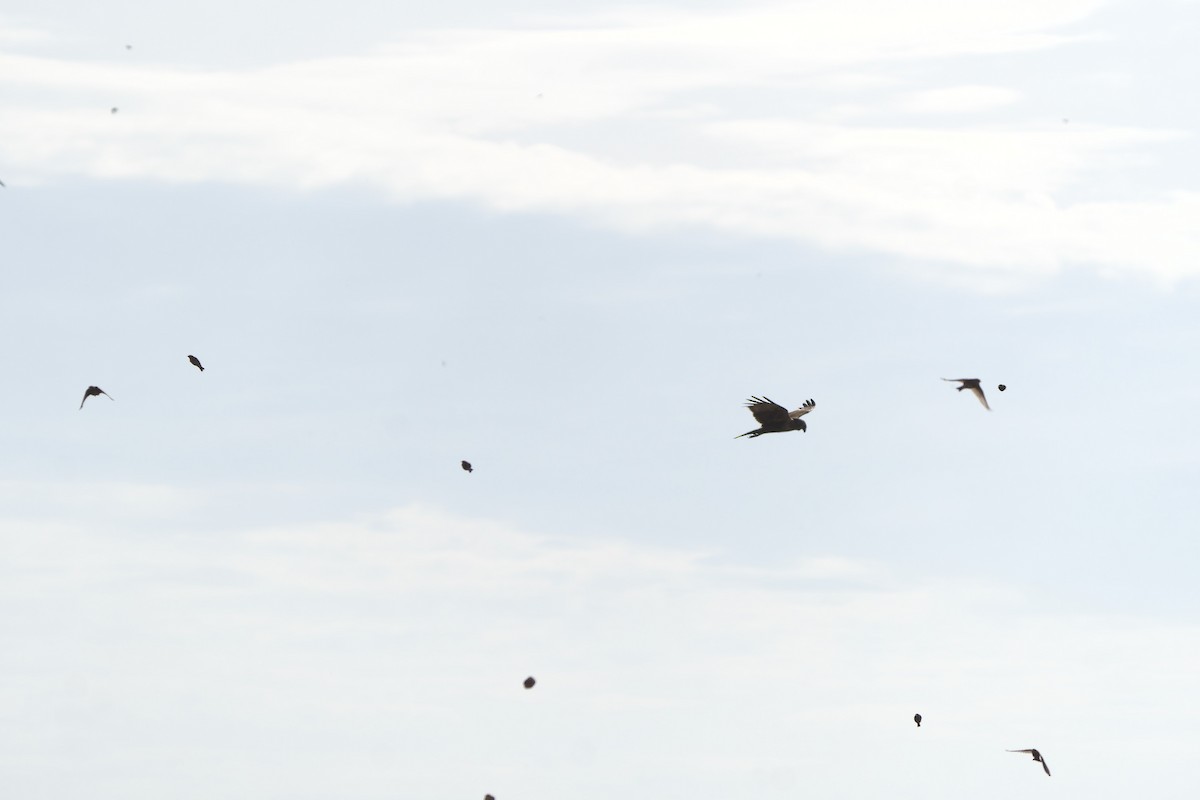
(774, 418)
(467, 466)
(196, 363)
(1002, 387)
(1036, 757)
(917, 719)
(1, 183)
(973, 385)
(488, 797)
(114, 110)
(92, 391)
(128, 47)
(529, 682)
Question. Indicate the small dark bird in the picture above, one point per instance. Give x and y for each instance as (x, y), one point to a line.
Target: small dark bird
(917, 719)
(529, 682)
(114, 110)
(1002, 387)
(973, 385)
(1036, 757)
(774, 418)
(92, 391)
(196, 363)
(467, 466)
(488, 797)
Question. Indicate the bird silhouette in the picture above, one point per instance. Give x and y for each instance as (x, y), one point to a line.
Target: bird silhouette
(467, 466)
(917, 719)
(196, 363)
(1036, 757)
(1002, 387)
(973, 385)
(774, 418)
(92, 391)
(529, 682)
(488, 797)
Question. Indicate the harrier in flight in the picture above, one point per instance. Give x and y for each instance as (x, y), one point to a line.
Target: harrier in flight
(973, 385)
(774, 418)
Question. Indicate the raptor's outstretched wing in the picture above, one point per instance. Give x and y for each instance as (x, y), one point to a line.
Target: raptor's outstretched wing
(767, 411)
(804, 409)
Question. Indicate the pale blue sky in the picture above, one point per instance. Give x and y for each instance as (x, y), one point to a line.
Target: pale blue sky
(272, 580)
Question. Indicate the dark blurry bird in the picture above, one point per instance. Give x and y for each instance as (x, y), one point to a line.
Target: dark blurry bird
(92, 391)
(529, 682)
(917, 719)
(774, 418)
(114, 110)
(1036, 757)
(973, 385)
(488, 797)
(1002, 387)
(467, 466)
(196, 363)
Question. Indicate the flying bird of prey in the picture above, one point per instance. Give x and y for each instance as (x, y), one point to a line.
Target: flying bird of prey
(529, 682)
(92, 391)
(917, 719)
(973, 385)
(196, 363)
(774, 418)
(467, 466)
(1036, 757)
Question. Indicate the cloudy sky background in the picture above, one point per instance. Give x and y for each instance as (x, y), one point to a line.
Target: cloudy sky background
(565, 241)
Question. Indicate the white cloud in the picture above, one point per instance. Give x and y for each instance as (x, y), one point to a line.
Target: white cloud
(958, 99)
(457, 115)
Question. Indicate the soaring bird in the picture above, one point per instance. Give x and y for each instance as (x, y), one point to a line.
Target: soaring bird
(917, 719)
(774, 418)
(1036, 757)
(92, 391)
(467, 466)
(973, 385)
(196, 363)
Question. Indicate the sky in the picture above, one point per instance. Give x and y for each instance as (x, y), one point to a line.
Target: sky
(565, 241)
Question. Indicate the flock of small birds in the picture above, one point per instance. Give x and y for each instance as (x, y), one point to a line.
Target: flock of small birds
(771, 418)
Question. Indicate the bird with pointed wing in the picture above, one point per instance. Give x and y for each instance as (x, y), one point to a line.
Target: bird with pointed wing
(774, 418)
(93, 391)
(973, 385)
